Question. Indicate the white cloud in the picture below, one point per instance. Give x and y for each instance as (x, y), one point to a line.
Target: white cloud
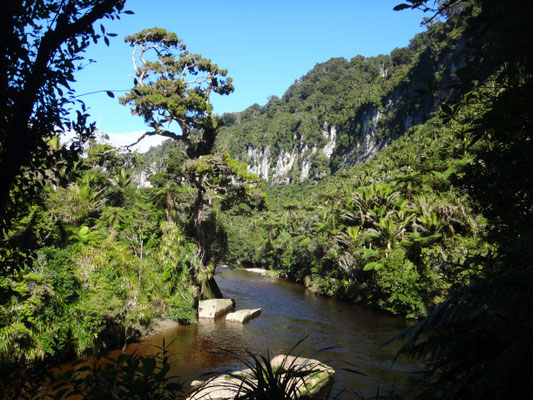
(124, 139)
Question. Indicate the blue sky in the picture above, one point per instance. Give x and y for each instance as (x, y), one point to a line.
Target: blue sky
(265, 45)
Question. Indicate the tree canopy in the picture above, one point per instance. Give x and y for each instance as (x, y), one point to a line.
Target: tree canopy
(175, 88)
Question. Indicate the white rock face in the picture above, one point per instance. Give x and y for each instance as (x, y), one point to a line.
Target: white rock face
(284, 164)
(330, 133)
(214, 307)
(368, 145)
(299, 156)
(383, 71)
(243, 316)
(142, 180)
(259, 161)
(306, 162)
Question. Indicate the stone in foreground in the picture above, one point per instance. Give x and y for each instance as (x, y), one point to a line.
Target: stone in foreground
(243, 316)
(214, 307)
(318, 374)
(222, 387)
(311, 379)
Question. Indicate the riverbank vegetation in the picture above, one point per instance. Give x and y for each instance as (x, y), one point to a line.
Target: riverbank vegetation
(435, 224)
(396, 230)
(89, 258)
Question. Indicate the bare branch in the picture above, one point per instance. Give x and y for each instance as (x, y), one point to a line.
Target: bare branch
(164, 133)
(209, 87)
(134, 60)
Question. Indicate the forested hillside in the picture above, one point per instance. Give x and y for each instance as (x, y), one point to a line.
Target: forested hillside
(392, 231)
(343, 112)
(401, 182)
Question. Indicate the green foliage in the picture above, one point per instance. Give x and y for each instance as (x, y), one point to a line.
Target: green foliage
(35, 318)
(40, 59)
(125, 376)
(182, 309)
(369, 102)
(295, 377)
(175, 88)
(438, 222)
(108, 266)
(488, 311)
(391, 232)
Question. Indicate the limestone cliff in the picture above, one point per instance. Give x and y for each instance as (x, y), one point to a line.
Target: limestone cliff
(343, 112)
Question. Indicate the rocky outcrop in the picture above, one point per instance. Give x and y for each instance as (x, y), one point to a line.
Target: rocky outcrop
(316, 375)
(259, 161)
(306, 163)
(243, 316)
(301, 377)
(330, 134)
(367, 143)
(299, 363)
(341, 113)
(214, 308)
(285, 162)
(332, 125)
(289, 166)
(222, 387)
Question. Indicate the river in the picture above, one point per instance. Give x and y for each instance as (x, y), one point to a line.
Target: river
(289, 312)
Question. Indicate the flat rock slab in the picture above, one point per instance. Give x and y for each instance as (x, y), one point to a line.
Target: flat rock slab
(318, 375)
(243, 316)
(298, 363)
(313, 383)
(214, 307)
(222, 387)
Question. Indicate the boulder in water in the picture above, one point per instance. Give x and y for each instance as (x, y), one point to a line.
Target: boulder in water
(243, 316)
(214, 307)
(307, 378)
(316, 375)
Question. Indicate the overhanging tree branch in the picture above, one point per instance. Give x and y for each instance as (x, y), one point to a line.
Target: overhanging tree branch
(29, 115)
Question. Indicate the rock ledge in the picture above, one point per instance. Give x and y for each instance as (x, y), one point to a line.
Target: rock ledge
(309, 378)
(243, 316)
(214, 307)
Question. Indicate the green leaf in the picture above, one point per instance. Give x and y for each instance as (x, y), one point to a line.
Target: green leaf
(372, 266)
(110, 94)
(402, 6)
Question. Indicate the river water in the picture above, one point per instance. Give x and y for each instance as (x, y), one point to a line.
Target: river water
(289, 312)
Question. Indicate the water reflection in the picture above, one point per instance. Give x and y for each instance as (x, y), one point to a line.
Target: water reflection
(289, 312)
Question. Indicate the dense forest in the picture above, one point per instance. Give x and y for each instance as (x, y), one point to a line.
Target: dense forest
(401, 182)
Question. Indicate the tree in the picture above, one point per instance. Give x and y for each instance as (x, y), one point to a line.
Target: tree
(175, 89)
(39, 54)
(172, 90)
